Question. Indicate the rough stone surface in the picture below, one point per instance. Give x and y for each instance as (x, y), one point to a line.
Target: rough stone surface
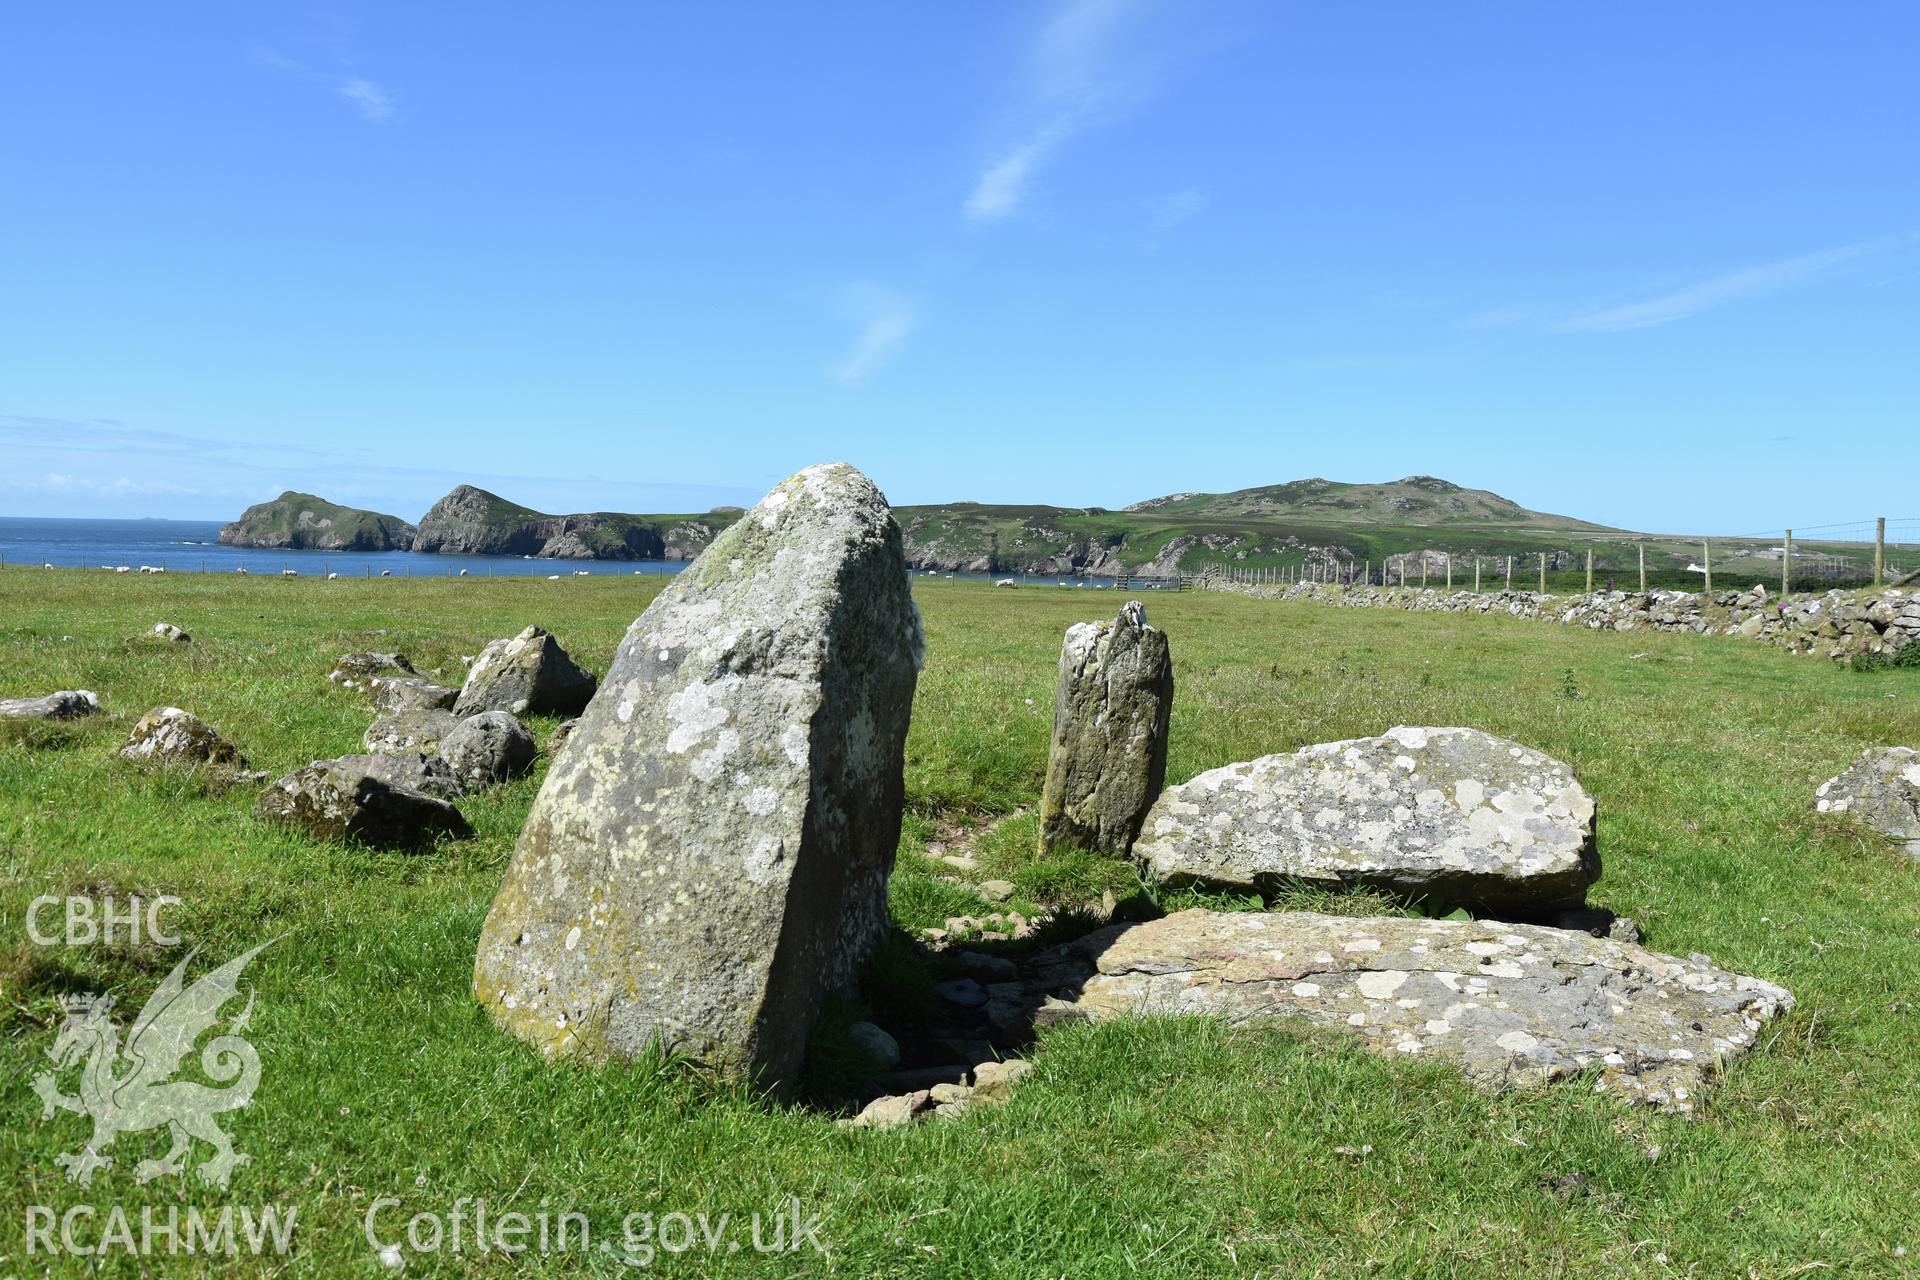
(1108, 758)
(488, 748)
(170, 734)
(561, 732)
(1451, 813)
(403, 731)
(1508, 1004)
(415, 769)
(876, 1044)
(408, 693)
(68, 704)
(355, 669)
(707, 860)
(1882, 790)
(335, 800)
(530, 673)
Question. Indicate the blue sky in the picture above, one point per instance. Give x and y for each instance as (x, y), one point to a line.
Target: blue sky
(1656, 265)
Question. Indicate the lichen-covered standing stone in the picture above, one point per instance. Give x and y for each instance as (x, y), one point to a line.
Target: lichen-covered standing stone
(708, 857)
(1108, 758)
(530, 673)
(1507, 1004)
(1882, 789)
(1454, 814)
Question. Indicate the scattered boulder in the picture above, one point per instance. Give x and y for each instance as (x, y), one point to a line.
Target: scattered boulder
(1508, 1004)
(167, 631)
(876, 1044)
(337, 800)
(1882, 790)
(1454, 814)
(1108, 758)
(530, 673)
(354, 669)
(488, 748)
(892, 1111)
(416, 769)
(170, 734)
(707, 861)
(994, 1081)
(403, 731)
(68, 704)
(408, 693)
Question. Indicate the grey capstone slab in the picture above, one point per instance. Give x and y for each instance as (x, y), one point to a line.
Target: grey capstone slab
(1454, 814)
(1507, 1004)
(707, 859)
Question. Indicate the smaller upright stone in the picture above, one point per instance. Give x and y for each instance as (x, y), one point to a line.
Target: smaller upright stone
(170, 734)
(1108, 758)
(1882, 790)
(530, 673)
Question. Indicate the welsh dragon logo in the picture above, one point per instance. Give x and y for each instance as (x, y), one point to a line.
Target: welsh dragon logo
(130, 1089)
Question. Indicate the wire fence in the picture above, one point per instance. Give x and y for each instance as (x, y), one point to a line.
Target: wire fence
(1855, 553)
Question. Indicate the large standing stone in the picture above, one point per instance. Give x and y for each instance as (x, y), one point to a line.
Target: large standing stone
(336, 800)
(68, 704)
(708, 857)
(1455, 814)
(1507, 1004)
(488, 748)
(1882, 789)
(170, 734)
(530, 673)
(1109, 753)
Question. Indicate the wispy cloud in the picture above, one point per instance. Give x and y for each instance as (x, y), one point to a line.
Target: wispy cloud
(1733, 286)
(1082, 67)
(1168, 212)
(374, 103)
(884, 318)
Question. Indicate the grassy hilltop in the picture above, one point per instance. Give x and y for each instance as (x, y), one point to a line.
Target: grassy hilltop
(1160, 1148)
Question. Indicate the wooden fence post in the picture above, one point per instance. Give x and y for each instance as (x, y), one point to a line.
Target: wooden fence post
(1786, 562)
(1880, 551)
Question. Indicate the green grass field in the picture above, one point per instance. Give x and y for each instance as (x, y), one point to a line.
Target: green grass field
(1164, 1148)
